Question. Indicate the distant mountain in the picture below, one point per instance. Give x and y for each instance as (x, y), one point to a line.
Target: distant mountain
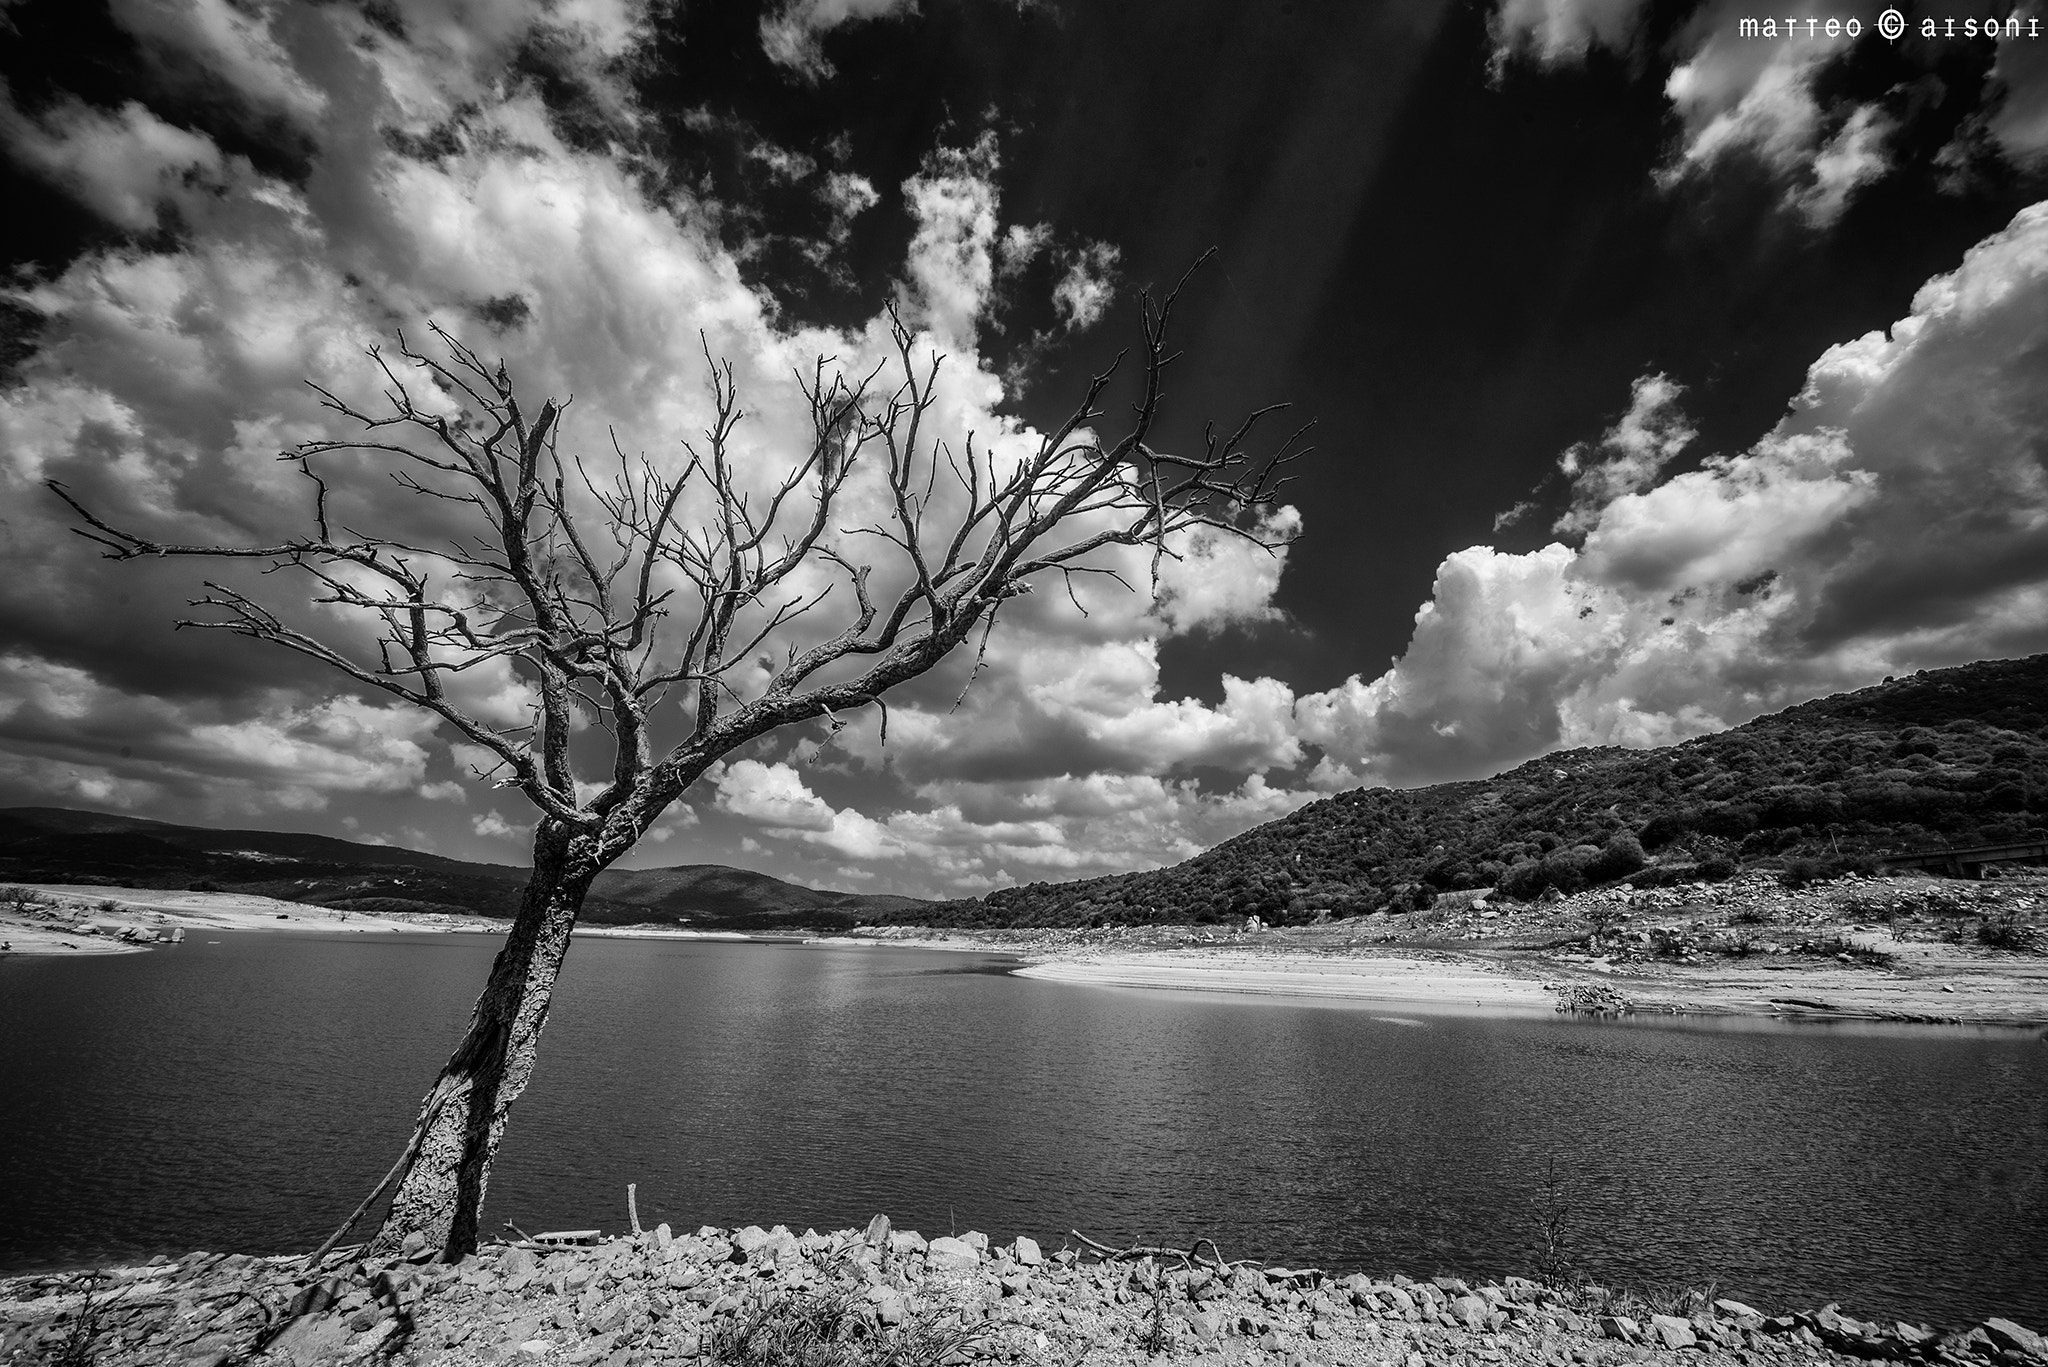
(59, 845)
(1945, 757)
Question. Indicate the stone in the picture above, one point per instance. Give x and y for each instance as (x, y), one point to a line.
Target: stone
(1026, 1252)
(1016, 1284)
(878, 1231)
(951, 1254)
(534, 1349)
(1672, 1331)
(1620, 1327)
(2017, 1338)
(310, 1340)
(1737, 1310)
(1470, 1312)
(1201, 1322)
(975, 1240)
(888, 1303)
(906, 1241)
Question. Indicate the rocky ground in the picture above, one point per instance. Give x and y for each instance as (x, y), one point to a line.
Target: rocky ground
(1901, 948)
(889, 1296)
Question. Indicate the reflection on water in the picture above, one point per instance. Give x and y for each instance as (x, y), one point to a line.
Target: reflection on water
(245, 1094)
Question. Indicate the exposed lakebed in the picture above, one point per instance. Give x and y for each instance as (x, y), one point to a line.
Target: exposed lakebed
(243, 1094)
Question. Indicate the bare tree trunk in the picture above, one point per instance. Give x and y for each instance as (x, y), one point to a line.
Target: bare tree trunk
(462, 1118)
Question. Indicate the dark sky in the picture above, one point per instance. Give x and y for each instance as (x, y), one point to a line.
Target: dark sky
(1463, 239)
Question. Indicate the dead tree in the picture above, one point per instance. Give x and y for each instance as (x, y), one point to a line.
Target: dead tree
(639, 596)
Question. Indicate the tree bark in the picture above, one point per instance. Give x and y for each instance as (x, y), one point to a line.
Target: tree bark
(462, 1118)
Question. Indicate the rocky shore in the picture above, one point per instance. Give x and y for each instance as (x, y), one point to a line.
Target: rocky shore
(882, 1295)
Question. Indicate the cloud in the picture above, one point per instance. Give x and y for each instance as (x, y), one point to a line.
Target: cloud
(1853, 158)
(2018, 83)
(1562, 32)
(793, 35)
(1896, 518)
(493, 826)
(953, 199)
(1772, 99)
(69, 729)
(121, 164)
(1083, 294)
(440, 186)
(772, 794)
(1629, 455)
(1742, 96)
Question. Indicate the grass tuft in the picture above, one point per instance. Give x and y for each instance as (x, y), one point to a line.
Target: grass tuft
(808, 1329)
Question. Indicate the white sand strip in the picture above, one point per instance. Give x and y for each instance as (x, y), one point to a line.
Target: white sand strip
(1409, 981)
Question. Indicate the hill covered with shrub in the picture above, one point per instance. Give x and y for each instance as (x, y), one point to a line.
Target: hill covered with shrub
(61, 845)
(1945, 757)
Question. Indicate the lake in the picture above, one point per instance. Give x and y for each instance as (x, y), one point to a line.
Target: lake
(243, 1091)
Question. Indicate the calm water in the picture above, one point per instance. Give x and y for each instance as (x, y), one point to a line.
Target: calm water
(245, 1094)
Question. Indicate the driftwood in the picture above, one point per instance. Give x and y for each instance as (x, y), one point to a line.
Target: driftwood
(1190, 1257)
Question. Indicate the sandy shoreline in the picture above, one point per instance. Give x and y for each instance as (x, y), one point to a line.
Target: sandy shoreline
(1921, 979)
(1394, 981)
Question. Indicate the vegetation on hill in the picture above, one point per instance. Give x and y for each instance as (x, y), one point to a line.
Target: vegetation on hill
(1946, 757)
(58, 845)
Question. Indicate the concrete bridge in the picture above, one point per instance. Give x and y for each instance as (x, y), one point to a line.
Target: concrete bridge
(1966, 861)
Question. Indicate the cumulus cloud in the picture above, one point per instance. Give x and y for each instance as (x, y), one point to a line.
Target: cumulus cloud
(793, 35)
(122, 164)
(1629, 455)
(72, 730)
(1770, 99)
(1745, 97)
(2019, 91)
(1084, 292)
(493, 826)
(1896, 518)
(1562, 32)
(171, 373)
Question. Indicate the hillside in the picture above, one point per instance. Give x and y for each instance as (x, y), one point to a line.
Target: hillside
(1945, 757)
(59, 845)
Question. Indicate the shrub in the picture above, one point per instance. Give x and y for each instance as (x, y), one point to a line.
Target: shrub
(1524, 881)
(808, 1329)
(1717, 868)
(1621, 856)
(1835, 947)
(2005, 931)
(1569, 870)
(1800, 871)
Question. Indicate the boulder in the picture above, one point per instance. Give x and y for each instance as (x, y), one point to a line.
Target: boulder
(955, 1255)
(1672, 1331)
(888, 1303)
(1471, 1312)
(2016, 1337)
(878, 1231)
(1737, 1310)
(311, 1340)
(1025, 1251)
(1620, 1327)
